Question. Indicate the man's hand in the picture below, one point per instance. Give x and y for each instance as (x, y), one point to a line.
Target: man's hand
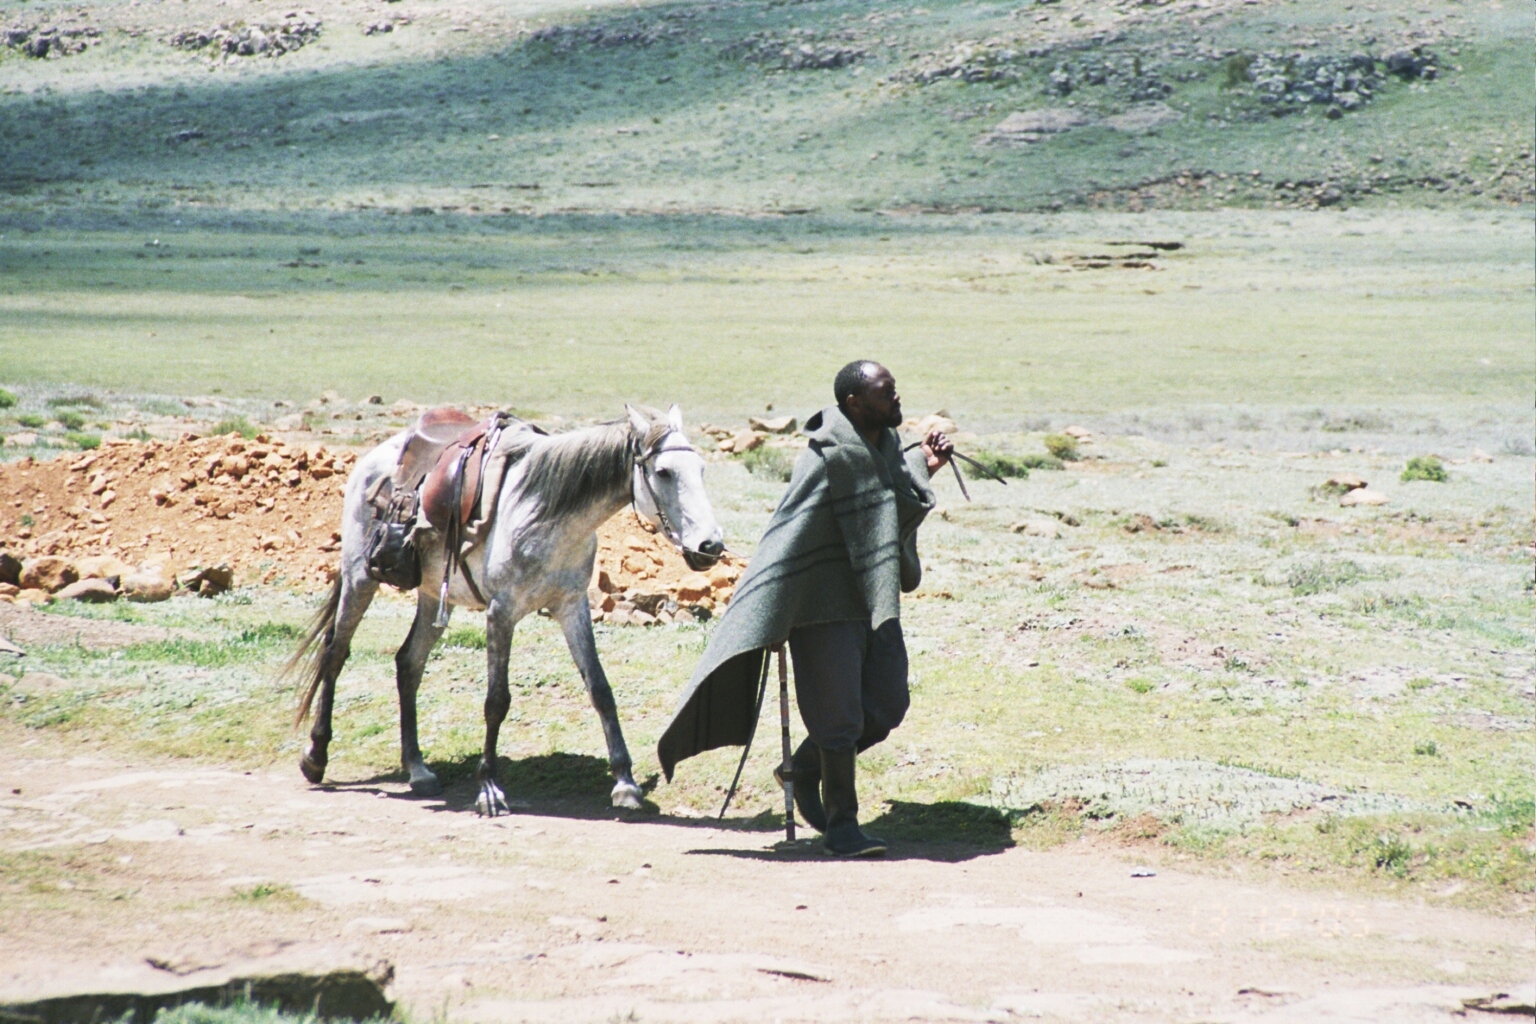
(937, 448)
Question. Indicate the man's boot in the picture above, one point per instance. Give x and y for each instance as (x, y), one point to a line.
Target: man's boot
(843, 837)
(806, 764)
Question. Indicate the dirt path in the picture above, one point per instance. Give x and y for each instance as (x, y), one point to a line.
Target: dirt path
(566, 913)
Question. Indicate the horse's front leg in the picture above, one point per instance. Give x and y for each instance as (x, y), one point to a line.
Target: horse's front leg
(498, 698)
(576, 621)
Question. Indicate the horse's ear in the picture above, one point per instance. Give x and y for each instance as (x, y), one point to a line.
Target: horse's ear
(637, 421)
(675, 418)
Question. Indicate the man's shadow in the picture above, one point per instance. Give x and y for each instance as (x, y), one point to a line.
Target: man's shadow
(566, 785)
(949, 831)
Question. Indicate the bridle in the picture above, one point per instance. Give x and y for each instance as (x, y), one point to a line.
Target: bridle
(642, 459)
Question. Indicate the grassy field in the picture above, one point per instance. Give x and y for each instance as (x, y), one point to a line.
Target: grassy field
(1178, 642)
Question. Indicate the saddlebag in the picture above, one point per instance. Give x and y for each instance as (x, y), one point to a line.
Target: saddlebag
(390, 554)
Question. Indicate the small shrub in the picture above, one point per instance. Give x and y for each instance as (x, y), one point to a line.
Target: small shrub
(1237, 67)
(236, 425)
(7, 400)
(83, 401)
(32, 420)
(1062, 446)
(1517, 446)
(71, 420)
(775, 463)
(1159, 463)
(1316, 577)
(1391, 853)
(1424, 467)
(83, 441)
(1426, 748)
(1003, 465)
(468, 637)
(139, 434)
(1140, 685)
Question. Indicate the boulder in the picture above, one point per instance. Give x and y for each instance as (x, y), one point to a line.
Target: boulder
(9, 590)
(1081, 433)
(1363, 496)
(10, 568)
(776, 425)
(207, 582)
(746, 441)
(934, 421)
(693, 587)
(1343, 483)
(32, 596)
(147, 586)
(92, 591)
(101, 567)
(47, 574)
(1050, 529)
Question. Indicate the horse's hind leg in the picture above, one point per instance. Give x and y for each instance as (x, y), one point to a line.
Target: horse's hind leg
(356, 594)
(409, 662)
(576, 621)
(498, 699)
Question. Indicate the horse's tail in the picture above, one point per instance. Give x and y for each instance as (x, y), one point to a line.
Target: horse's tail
(309, 660)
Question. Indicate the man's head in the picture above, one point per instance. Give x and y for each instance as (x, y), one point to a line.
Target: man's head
(866, 392)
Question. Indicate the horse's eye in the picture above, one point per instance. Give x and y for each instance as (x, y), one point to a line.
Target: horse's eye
(664, 473)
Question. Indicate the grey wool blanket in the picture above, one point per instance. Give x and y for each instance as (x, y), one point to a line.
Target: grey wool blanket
(841, 545)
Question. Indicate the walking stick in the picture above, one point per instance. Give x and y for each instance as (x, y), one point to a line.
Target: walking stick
(787, 770)
(968, 460)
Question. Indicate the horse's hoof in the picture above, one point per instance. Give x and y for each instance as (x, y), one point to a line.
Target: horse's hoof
(426, 785)
(491, 801)
(313, 768)
(628, 796)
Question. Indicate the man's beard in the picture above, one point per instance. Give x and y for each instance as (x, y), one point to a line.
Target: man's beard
(894, 419)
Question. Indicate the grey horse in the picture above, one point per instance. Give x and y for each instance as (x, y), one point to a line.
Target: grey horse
(538, 554)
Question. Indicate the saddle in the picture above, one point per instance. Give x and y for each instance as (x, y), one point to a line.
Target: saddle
(440, 478)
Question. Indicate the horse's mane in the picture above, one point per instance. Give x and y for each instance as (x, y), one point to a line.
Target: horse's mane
(567, 472)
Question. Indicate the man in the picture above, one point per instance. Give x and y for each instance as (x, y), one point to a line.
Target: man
(828, 577)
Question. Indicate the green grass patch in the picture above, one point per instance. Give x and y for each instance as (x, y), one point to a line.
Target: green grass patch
(253, 644)
(83, 441)
(7, 399)
(767, 461)
(1008, 466)
(470, 638)
(1424, 467)
(1062, 446)
(1322, 575)
(270, 894)
(236, 425)
(32, 421)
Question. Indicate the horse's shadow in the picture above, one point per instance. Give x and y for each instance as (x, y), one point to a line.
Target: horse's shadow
(565, 785)
(556, 785)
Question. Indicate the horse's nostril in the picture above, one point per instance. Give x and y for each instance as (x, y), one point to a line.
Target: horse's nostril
(712, 547)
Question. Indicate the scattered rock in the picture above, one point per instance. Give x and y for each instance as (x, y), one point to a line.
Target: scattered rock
(207, 582)
(1363, 496)
(746, 441)
(1343, 483)
(238, 39)
(21, 439)
(92, 591)
(147, 586)
(1143, 117)
(50, 41)
(32, 595)
(102, 567)
(1478, 455)
(1031, 125)
(1050, 529)
(48, 574)
(934, 421)
(1081, 433)
(776, 425)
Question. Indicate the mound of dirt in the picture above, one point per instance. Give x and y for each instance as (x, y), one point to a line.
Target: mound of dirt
(269, 511)
(641, 579)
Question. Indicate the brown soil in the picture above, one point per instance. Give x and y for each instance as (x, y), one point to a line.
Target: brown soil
(265, 508)
(119, 875)
(271, 510)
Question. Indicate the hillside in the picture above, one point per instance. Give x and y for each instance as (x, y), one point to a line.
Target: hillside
(212, 107)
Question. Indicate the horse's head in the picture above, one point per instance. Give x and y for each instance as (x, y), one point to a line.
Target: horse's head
(668, 487)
